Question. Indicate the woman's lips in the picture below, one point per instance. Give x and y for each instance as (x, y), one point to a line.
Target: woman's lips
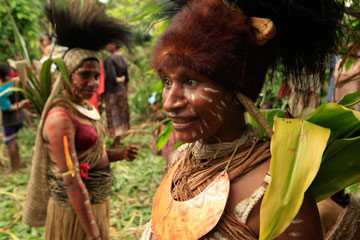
(179, 123)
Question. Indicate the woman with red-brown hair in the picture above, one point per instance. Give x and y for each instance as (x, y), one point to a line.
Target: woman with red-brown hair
(213, 59)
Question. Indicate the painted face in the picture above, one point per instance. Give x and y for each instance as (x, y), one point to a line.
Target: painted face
(85, 80)
(199, 107)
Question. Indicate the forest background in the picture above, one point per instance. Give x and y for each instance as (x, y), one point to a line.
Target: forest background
(135, 182)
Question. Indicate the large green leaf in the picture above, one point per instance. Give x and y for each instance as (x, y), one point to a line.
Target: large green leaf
(62, 68)
(46, 78)
(296, 148)
(164, 136)
(341, 120)
(350, 99)
(340, 168)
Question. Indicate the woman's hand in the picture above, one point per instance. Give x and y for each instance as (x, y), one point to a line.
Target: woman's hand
(128, 153)
(131, 152)
(120, 79)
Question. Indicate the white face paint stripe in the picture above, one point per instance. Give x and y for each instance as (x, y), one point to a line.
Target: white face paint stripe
(211, 90)
(192, 97)
(207, 98)
(212, 112)
(205, 123)
(218, 107)
(220, 118)
(223, 103)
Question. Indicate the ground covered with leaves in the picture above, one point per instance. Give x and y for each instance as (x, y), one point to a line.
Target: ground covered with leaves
(133, 190)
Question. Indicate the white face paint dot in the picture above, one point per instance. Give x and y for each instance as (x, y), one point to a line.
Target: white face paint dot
(220, 118)
(194, 134)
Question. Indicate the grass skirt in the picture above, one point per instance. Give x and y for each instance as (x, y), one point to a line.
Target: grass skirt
(63, 224)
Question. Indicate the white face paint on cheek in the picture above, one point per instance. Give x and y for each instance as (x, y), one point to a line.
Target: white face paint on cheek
(205, 123)
(219, 117)
(223, 103)
(218, 107)
(212, 112)
(192, 97)
(193, 134)
(211, 90)
(201, 130)
(210, 100)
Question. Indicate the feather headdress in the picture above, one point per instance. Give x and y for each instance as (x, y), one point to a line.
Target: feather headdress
(86, 25)
(216, 38)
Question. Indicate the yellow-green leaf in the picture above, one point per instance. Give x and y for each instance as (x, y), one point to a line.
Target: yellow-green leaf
(297, 147)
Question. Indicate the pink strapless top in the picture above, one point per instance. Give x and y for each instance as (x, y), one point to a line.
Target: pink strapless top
(85, 135)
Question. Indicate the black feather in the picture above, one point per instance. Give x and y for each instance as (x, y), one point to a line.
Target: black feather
(86, 26)
(307, 31)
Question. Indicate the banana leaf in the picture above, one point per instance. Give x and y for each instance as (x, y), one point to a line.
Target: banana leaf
(297, 147)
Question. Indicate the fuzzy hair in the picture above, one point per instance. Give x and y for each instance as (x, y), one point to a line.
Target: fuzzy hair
(4, 70)
(214, 37)
(86, 25)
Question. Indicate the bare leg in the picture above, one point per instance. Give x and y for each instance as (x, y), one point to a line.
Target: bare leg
(27, 116)
(14, 156)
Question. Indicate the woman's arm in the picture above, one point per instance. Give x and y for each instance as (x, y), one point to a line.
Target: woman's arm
(306, 225)
(128, 153)
(57, 125)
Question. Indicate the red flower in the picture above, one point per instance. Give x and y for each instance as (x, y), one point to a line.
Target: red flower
(84, 169)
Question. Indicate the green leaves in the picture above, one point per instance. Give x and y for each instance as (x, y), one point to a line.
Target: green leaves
(340, 168)
(350, 99)
(296, 147)
(164, 135)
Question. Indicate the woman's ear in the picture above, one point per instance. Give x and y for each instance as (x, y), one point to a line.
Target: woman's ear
(264, 29)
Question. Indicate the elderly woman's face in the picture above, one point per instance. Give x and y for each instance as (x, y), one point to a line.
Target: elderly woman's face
(199, 107)
(85, 79)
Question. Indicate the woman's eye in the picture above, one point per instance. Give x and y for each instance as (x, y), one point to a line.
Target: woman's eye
(192, 82)
(85, 75)
(167, 82)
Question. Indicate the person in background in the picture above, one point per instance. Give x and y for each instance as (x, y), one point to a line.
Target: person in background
(168, 149)
(115, 95)
(45, 47)
(347, 80)
(12, 117)
(71, 180)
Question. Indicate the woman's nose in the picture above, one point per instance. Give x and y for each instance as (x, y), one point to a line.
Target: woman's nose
(173, 98)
